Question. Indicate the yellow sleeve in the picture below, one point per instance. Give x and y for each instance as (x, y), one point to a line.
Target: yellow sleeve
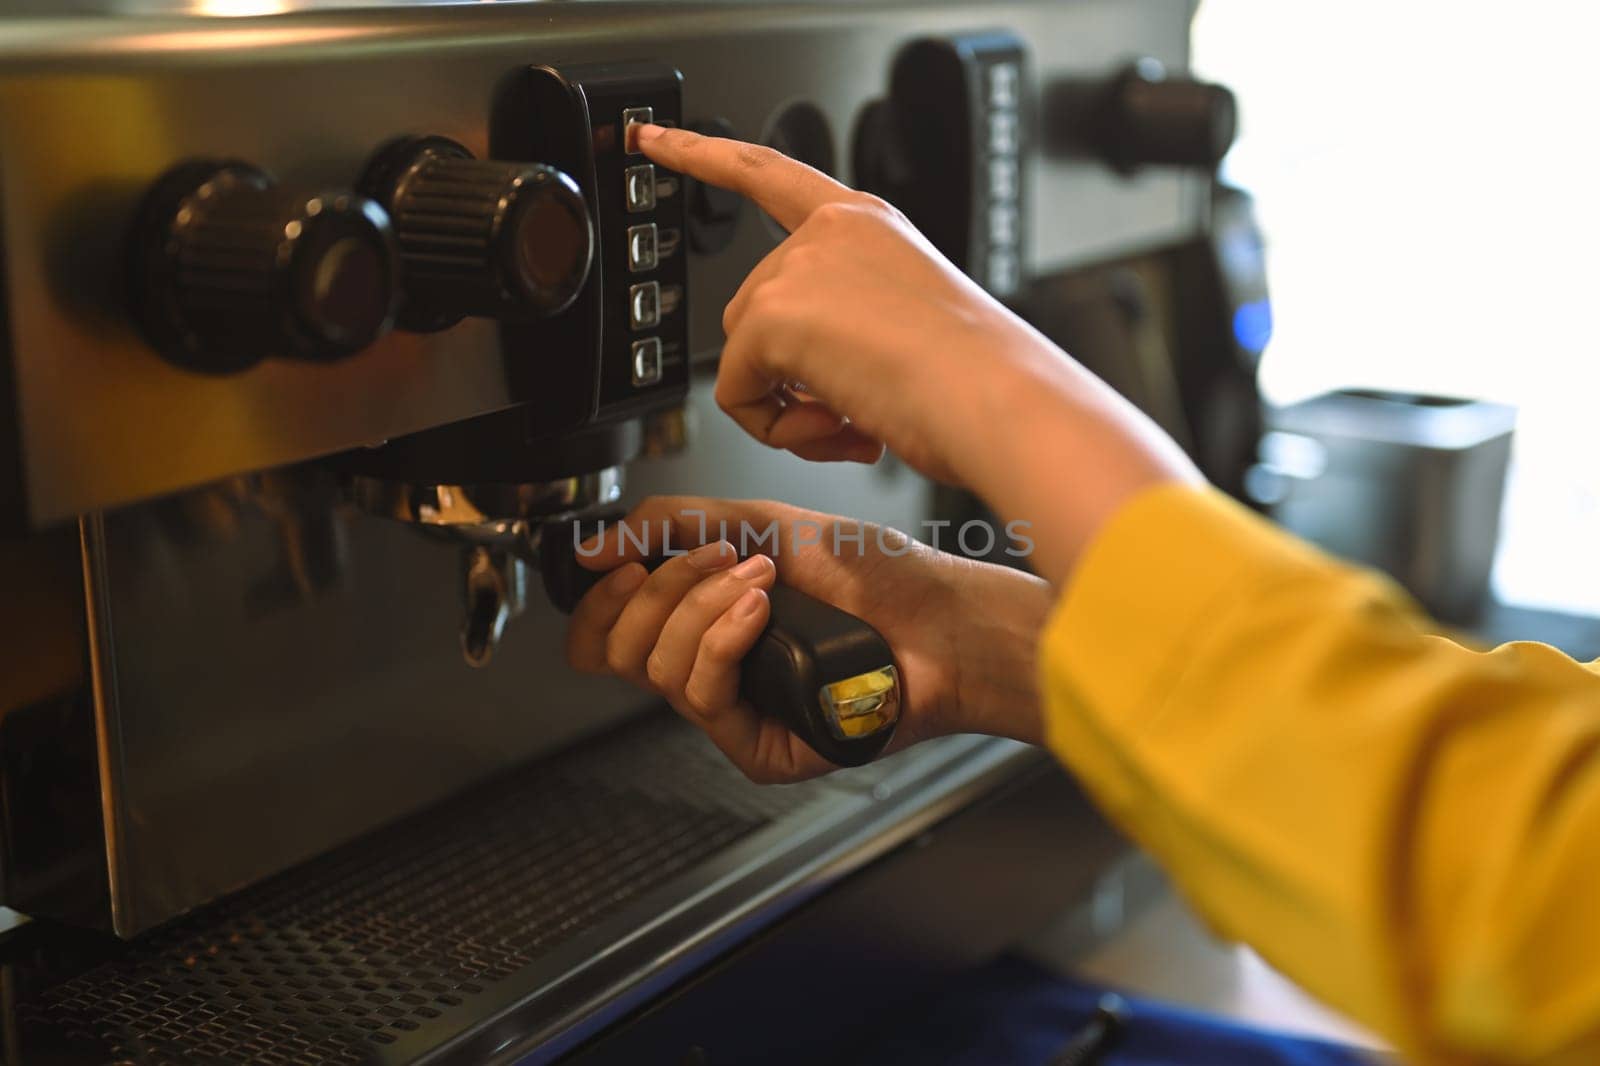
(1408, 827)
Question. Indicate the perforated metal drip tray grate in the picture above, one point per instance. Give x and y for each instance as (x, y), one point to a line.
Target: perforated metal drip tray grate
(473, 929)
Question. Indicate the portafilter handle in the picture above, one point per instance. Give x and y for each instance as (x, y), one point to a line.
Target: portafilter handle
(827, 675)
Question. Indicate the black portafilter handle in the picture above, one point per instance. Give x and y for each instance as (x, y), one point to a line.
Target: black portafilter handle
(823, 672)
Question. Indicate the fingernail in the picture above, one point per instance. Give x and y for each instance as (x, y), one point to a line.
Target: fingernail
(749, 603)
(645, 132)
(628, 579)
(712, 556)
(751, 568)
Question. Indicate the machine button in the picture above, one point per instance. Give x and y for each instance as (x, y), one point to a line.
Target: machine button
(1003, 79)
(635, 116)
(1004, 138)
(647, 361)
(508, 240)
(643, 248)
(1005, 272)
(644, 305)
(1003, 223)
(231, 268)
(641, 187)
(1004, 180)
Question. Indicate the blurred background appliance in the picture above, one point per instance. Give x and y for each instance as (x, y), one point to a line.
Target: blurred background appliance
(311, 318)
(1409, 484)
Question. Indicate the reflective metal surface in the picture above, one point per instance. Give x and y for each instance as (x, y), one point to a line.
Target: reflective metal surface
(93, 109)
(494, 515)
(485, 930)
(286, 671)
(217, 8)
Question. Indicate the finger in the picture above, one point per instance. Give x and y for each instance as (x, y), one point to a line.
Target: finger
(660, 524)
(785, 188)
(675, 652)
(749, 379)
(711, 691)
(647, 610)
(596, 613)
(760, 746)
(814, 431)
(764, 272)
(848, 445)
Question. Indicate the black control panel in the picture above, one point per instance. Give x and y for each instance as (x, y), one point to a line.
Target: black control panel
(568, 240)
(626, 349)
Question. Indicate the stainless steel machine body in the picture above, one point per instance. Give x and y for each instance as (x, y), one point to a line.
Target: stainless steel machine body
(216, 667)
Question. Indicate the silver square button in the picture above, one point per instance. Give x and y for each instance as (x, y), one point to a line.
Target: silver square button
(1003, 79)
(1003, 133)
(643, 248)
(641, 187)
(644, 305)
(635, 116)
(1003, 224)
(647, 361)
(1004, 180)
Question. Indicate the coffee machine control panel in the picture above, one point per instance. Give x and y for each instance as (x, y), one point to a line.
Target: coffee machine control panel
(566, 237)
(317, 246)
(629, 350)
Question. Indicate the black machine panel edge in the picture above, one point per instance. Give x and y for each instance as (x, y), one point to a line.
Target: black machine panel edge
(625, 350)
(948, 147)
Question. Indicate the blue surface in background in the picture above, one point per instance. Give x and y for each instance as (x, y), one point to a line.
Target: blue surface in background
(1014, 1013)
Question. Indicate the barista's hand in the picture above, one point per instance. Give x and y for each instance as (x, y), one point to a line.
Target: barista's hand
(962, 632)
(858, 306)
(893, 345)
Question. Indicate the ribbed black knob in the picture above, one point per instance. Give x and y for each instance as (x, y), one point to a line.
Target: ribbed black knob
(508, 240)
(228, 268)
(1149, 119)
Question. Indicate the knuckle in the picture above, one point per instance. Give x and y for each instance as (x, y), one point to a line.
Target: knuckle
(832, 213)
(720, 645)
(708, 594)
(877, 207)
(766, 297)
(699, 703)
(757, 156)
(679, 137)
(658, 669)
(617, 658)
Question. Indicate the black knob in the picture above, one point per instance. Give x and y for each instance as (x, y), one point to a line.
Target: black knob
(1146, 118)
(508, 240)
(229, 267)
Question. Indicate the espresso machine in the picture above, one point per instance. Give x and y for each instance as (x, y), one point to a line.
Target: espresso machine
(324, 326)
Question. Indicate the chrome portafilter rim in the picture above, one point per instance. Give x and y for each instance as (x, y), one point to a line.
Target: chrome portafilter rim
(504, 515)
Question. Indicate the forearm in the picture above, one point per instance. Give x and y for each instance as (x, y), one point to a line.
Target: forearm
(1068, 455)
(1003, 612)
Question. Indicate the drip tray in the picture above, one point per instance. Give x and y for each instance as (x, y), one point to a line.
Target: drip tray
(508, 923)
